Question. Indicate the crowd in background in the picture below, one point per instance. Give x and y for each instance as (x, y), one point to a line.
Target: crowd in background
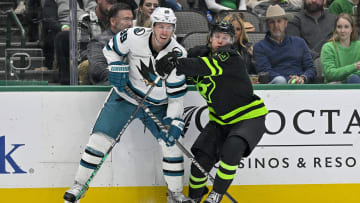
(317, 43)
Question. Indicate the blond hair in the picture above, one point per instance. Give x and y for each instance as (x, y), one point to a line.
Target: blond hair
(354, 34)
(232, 17)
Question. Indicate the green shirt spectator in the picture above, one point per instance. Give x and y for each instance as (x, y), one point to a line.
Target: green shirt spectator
(229, 3)
(342, 6)
(340, 57)
(339, 62)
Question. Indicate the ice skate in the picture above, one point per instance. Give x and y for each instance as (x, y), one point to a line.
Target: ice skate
(70, 195)
(72, 202)
(213, 197)
(177, 197)
(198, 200)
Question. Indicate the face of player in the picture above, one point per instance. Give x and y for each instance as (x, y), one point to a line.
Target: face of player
(343, 29)
(162, 33)
(123, 20)
(219, 39)
(149, 6)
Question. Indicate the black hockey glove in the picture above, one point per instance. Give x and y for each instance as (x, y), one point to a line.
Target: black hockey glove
(166, 64)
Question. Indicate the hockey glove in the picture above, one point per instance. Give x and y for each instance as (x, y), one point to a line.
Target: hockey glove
(166, 64)
(118, 76)
(174, 132)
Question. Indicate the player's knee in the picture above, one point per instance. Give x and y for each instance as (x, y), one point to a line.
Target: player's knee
(95, 150)
(233, 150)
(100, 142)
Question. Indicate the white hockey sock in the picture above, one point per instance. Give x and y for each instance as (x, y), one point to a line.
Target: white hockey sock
(173, 167)
(94, 152)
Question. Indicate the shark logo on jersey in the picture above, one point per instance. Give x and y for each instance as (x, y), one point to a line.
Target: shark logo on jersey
(148, 74)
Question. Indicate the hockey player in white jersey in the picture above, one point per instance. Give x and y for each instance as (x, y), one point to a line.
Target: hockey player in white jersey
(131, 56)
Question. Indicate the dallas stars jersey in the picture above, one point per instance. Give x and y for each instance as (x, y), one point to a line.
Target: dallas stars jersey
(223, 82)
(131, 49)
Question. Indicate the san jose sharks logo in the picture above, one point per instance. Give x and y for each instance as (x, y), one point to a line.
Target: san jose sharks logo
(148, 73)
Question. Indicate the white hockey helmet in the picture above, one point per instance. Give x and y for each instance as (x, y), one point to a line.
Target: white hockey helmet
(163, 15)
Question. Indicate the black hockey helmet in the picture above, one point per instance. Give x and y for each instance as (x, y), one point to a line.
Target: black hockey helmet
(224, 27)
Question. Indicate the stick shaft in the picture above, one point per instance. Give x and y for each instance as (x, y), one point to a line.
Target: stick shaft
(184, 150)
(141, 103)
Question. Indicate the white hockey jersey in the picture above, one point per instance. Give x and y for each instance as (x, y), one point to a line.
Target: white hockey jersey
(131, 48)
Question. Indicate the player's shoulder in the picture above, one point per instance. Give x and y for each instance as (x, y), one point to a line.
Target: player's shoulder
(138, 32)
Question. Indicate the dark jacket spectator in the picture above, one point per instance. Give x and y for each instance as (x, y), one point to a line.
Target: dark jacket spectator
(314, 25)
(286, 59)
(291, 57)
(120, 18)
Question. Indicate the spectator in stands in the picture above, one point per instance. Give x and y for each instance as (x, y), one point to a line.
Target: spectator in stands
(286, 59)
(62, 39)
(313, 24)
(247, 25)
(120, 18)
(343, 6)
(50, 27)
(340, 57)
(241, 41)
(32, 11)
(357, 15)
(212, 8)
(146, 8)
(92, 21)
(259, 7)
(173, 4)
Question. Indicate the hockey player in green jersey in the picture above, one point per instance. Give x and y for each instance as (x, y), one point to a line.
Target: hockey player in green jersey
(236, 114)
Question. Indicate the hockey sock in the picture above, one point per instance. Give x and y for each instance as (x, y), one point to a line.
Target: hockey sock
(173, 167)
(233, 149)
(95, 150)
(197, 182)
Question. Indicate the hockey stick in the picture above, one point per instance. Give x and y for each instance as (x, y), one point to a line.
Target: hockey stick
(141, 103)
(178, 144)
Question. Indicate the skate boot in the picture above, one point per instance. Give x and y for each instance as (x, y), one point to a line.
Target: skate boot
(72, 202)
(213, 197)
(198, 200)
(177, 197)
(70, 195)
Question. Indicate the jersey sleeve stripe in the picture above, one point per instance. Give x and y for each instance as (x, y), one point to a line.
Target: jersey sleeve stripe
(213, 65)
(177, 94)
(175, 85)
(118, 63)
(119, 67)
(218, 67)
(208, 64)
